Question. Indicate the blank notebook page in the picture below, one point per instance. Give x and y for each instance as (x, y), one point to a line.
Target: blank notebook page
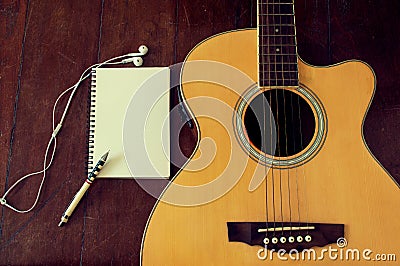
(113, 91)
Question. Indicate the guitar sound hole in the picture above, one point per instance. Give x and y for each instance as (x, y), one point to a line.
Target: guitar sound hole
(294, 122)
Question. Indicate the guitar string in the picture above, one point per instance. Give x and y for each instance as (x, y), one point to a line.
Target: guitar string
(266, 38)
(261, 84)
(303, 169)
(280, 129)
(262, 80)
(291, 37)
(265, 84)
(272, 151)
(264, 124)
(292, 107)
(293, 122)
(301, 134)
(285, 39)
(270, 102)
(278, 125)
(296, 171)
(282, 94)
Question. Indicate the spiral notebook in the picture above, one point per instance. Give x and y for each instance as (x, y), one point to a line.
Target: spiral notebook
(128, 115)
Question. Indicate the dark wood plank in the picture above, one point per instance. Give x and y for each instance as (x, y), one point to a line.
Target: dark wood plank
(12, 19)
(198, 20)
(313, 27)
(51, 63)
(12, 16)
(116, 211)
(370, 32)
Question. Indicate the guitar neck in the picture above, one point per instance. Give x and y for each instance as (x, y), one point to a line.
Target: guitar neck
(277, 47)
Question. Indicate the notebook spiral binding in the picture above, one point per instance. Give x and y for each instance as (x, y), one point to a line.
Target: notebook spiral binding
(92, 122)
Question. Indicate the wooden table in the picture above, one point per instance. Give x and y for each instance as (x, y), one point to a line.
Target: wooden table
(44, 47)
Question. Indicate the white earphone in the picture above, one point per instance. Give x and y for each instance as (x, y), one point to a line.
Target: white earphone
(137, 59)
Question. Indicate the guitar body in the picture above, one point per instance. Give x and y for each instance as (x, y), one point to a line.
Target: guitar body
(342, 183)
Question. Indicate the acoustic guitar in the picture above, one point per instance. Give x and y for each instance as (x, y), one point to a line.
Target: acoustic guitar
(281, 174)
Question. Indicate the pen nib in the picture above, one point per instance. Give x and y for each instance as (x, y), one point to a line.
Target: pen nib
(104, 157)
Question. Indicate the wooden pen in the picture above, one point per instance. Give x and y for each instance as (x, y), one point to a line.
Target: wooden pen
(78, 196)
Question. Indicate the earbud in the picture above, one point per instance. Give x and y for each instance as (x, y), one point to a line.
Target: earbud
(137, 61)
(142, 51)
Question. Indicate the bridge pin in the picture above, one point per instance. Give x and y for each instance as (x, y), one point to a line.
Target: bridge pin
(291, 239)
(274, 240)
(299, 239)
(266, 241)
(308, 238)
(283, 239)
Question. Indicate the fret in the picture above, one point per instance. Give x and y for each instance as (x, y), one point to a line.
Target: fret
(277, 30)
(277, 35)
(288, 36)
(276, 40)
(280, 85)
(277, 49)
(266, 68)
(287, 14)
(267, 20)
(290, 63)
(272, 55)
(275, 8)
(277, 59)
(277, 54)
(277, 25)
(278, 76)
(284, 2)
(277, 45)
(291, 67)
(279, 81)
(283, 72)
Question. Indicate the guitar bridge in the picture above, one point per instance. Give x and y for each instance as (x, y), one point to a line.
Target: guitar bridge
(285, 235)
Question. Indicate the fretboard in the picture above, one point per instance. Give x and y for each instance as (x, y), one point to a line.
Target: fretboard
(277, 51)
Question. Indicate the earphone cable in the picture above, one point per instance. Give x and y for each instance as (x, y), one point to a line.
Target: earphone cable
(53, 137)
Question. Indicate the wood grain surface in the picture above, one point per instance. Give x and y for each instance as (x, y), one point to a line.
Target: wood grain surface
(44, 47)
